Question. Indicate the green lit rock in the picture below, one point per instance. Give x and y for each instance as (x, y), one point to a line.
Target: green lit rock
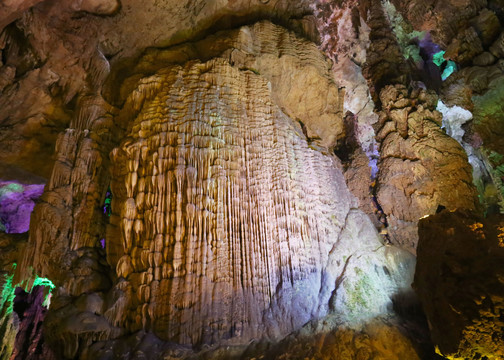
(489, 124)
(404, 32)
(438, 58)
(451, 67)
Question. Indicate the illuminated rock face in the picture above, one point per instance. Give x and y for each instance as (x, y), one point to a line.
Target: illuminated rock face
(29, 310)
(16, 205)
(230, 221)
(221, 214)
(459, 281)
(421, 167)
(232, 225)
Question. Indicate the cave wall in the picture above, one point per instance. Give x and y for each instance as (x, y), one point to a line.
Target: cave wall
(260, 186)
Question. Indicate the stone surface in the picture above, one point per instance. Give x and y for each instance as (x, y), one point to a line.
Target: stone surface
(29, 344)
(12, 9)
(16, 205)
(201, 238)
(420, 166)
(380, 339)
(385, 63)
(443, 19)
(459, 278)
(236, 159)
(258, 107)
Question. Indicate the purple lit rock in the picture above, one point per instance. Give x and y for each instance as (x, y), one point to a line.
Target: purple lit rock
(16, 205)
(30, 312)
(429, 46)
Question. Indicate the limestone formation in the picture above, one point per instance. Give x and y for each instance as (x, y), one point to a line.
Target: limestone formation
(472, 36)
(29, 343)
(222, 227)
(244, 179)
(421, 168)
(459, 281)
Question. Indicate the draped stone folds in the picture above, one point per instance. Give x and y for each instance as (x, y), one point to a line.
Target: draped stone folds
(230, 217)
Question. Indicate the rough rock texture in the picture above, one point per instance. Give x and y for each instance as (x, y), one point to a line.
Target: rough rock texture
(418, 161)
(16, 205)
(230, 220)
(207, 249)
(58, 51)
(13, 9)
(472, 36)
(346, 46)
(194, 18)
(380, 339)
(29, 344)
(443, 19)
(385, 63)
(420, 166)
(459, 278)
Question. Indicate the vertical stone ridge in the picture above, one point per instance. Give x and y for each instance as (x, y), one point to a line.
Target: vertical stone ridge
(220, 210)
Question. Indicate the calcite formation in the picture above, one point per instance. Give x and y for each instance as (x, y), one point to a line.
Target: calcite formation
(230, 220)
(16, 205)
(378, 340)
(472, 37)
(29, 343)
(460, 283)
(210, 228)
(223, 231)
(187, 178)
(413, 149)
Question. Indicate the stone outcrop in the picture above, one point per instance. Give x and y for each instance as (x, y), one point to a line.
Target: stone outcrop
(459, 280)
(230, 218)
(210, 242)
(384, 63)
(29, 343)
(443, 19)
(417, 160)
(421, 167)
(472, 37)
(54, 52)
(380, 339)
(211, 180)
(16, 204)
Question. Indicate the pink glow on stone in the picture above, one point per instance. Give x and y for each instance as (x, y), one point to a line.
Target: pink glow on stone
(16, 205)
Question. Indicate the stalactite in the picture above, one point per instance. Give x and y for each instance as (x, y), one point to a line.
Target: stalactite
(221, 219)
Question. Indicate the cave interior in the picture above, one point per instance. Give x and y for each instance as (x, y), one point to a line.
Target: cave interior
(265, 179)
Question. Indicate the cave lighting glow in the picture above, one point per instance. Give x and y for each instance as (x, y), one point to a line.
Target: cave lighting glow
(16, 205)
(439, 60)
(107, 209)
(8, 291)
